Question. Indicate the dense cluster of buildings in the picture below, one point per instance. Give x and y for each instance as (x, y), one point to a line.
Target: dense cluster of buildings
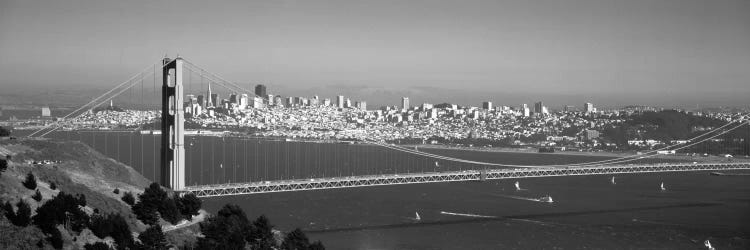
(264, 114)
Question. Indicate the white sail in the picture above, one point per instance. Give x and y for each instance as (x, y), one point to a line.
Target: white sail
(518, 186)
(416, 216)
(613, 180)
(436, 164)
(221, 165)
(662, 186)
(708, 245)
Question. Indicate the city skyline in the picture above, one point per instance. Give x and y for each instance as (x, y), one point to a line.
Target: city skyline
(659, 53)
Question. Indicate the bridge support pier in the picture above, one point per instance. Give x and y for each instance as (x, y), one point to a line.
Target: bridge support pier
(172, 167)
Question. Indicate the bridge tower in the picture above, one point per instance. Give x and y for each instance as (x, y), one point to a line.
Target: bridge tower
(172, 121)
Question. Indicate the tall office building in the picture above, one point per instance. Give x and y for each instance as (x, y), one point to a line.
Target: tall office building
(340, 101)
(209, 96)
(215, 101)
(405, 103)
(487, 105)
(260, 90)
(525, 110)
(201, 101)
(243, 101)
(538, 107)
(589, 108)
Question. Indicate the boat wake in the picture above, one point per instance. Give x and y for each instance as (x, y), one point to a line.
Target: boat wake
(545, 199)
(467, 215)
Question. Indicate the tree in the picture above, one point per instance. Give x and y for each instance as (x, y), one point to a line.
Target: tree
(116, 191)
(30, 181)
(128, 198)
(97, 246)
(3, 166)
(4, 132)
(52, 186)
(262, 234)
(9, 212)
(37, 196)
(145, 214)
(58, 210)
(317, 245)
(149, 203)
(227, 230)
(296, 240)
(55, 239)
(189, 205)
(23, 214)
(113, 225)
(153, 239)
(169, 211)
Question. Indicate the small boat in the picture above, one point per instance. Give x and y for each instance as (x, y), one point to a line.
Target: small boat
(708, 245)
(416, 216)
(221, 165)
(613, 180)
(436, 164)
(662, 187)
(547, 199)
(518, 186)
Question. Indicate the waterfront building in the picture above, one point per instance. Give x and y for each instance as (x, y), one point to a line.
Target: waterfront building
(46, 112)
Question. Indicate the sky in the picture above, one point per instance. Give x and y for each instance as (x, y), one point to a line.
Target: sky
(562, 52)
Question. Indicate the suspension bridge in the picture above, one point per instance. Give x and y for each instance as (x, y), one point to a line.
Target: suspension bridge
(221, 165)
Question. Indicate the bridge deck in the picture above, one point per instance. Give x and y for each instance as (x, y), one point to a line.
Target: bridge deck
(469, 175)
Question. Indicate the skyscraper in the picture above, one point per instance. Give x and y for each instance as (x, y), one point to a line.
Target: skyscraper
(209, 97)
(340, 101)
(260, 90)
(487, 106)
(538, 107)
(405, 103)
(588, 107)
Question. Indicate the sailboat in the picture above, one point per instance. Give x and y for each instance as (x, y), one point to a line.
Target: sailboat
(613, 180)
(518, 186)
(708, 245)
(436, 164)
(221, 165)
(662, 187)
(547, 199)
(416, 216)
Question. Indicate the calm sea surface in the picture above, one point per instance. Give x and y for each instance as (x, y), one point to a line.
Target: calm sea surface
(588, 212)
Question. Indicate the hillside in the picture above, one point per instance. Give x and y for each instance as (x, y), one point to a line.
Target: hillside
(75, 168)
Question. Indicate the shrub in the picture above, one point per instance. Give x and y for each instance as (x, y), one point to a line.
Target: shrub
(30, 181)
(37, 196)
(128, 198)
(151, 201)
(117, 191)
(97, 246)
(52, 186)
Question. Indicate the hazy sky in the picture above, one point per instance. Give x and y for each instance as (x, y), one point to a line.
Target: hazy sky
(660, 52)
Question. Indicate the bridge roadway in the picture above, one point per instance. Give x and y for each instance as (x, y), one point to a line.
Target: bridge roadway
(468, 175)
